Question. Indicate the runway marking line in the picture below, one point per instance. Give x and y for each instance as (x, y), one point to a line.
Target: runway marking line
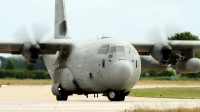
(54, 98)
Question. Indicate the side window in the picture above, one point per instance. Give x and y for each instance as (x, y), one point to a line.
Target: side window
(136, 63)
(110, 55)
(103, 63)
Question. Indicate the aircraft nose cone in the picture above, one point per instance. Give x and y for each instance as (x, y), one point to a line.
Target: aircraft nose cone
(120, 73)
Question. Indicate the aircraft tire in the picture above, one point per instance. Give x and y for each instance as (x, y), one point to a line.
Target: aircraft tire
(121, 97)
(63, 96)
(113, 96)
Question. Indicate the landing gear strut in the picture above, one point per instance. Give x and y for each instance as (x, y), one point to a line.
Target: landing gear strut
(115, 96)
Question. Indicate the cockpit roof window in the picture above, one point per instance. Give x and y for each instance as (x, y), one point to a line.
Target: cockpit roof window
(104, 49)
(105, 46)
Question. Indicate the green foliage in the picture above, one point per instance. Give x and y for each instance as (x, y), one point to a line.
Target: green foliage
(165, 73)
(197, 56)
(183, 36)
(180, 36)
(166, 93)
(152, 73)
(30, 67)
(17, 67)
(20, 63)
(154, 78)
(10, 64)
(191, 75)
(173, 59)
(24, 74)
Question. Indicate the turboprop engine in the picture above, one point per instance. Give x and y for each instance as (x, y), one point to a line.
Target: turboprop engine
(191, 65)
(161, 52)
(30, 52)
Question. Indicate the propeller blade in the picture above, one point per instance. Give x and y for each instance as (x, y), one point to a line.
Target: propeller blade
(32, 31)
(161, 32)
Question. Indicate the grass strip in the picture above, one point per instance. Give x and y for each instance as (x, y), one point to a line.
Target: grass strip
(183, 93)
(26, 81)
(180, 109)
(167, 82)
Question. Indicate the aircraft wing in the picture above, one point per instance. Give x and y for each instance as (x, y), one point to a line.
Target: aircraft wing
(184, 46)
(46, 47)
(178, 46)
(53, 45)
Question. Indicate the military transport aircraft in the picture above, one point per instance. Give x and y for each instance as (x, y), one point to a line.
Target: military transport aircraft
(107, 65)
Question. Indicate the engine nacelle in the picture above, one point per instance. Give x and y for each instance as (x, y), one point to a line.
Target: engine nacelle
(65, 78)
(161, 52)
(191, 65)
(30, 52)
(148, 62)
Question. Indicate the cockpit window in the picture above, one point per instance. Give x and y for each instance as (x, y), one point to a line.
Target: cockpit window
(117, 49)
(112, 49)
(120, 49)
(104, 49)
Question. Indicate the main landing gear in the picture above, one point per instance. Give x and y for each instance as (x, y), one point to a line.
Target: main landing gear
(115, 96)
(63, 95)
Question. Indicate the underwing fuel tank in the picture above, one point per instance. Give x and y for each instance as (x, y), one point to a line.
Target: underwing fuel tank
(191, 65)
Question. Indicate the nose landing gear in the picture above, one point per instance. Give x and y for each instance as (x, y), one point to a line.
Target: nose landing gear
(115, 96)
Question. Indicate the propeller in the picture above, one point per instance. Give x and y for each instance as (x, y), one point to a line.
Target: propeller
(34, 49)
(160, 33)
(166, 51)
(31, 33)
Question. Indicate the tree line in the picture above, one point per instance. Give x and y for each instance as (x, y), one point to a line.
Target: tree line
(17, 67)
(24, 74)
(18, 63)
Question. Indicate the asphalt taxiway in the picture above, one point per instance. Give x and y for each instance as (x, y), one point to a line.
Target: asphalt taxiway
(18, 98)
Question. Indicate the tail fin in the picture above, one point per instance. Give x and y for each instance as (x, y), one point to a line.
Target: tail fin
(60, 26)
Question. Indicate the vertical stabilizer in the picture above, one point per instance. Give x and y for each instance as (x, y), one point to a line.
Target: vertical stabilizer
(60, 26)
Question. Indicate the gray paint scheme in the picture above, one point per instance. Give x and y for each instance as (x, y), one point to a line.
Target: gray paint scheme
(106, 65)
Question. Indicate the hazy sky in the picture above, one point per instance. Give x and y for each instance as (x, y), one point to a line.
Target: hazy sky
(87, 19)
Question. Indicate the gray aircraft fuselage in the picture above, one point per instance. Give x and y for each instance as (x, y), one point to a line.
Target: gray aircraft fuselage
(99, 65)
